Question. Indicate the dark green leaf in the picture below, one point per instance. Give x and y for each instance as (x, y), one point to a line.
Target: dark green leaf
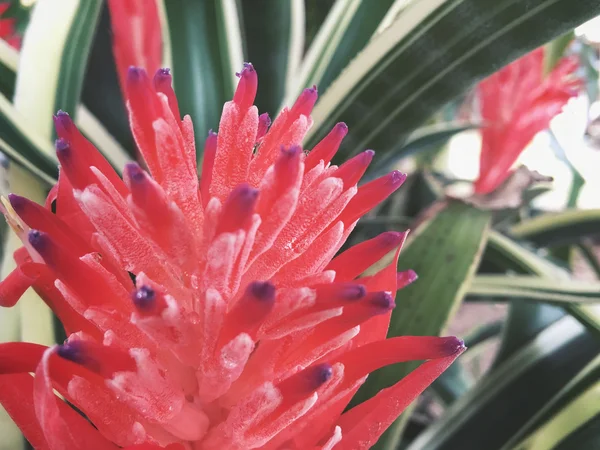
(489, 415)
(75, 56)
(346, 31)
(563, 413)
(273, 35)
(203, 37)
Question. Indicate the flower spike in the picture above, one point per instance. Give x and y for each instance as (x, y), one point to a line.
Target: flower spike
(208, 313)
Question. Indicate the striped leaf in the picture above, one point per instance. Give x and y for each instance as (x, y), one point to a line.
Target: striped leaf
(577, 404)
(275, 49)
(348, 28)
(62, 59)
(554, 229)
(491, 413)
(206, 49)
(432, 52)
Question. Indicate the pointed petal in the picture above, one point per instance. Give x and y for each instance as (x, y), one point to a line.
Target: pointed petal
(16, 396)
(364, 424)
(63, 427)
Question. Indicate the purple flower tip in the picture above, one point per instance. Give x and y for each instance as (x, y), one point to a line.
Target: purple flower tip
(72, 351)
(245, 194)
(37, 239)
(211, 133)
(135, 172)
(390, 238)
(164, 71)
(265, 120)
(262, 290)
(453, 344)
(144, 297)
(291, 151)
(396, 177)
(61, 113)
(320, 374)
(354, 292)
(248, 68)
(370, 153)
(62, 145)
(135, 73)
(16, 201)
(384, 301)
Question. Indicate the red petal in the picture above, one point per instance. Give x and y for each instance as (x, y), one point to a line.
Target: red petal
(19, 357)
(63, 427)
(364, 424)
(13, 287)
(371, 194)
(354, 261)
(137, 38)
(327, 147)
(16, 396)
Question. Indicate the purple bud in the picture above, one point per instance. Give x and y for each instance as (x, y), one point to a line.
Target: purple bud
(72, 351)
(353, 292)
(144, 298)
(62, 145)
(37, 239)
(262, 290)
(134, 172)
(319, 375)
(17, 202)
(383, 300)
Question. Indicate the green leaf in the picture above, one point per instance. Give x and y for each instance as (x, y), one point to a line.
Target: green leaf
(57, 45)
(535, 288)
(555, 50)
(35, 153)
(101, 91)
(23, 145)
(348, 27)
(570, 409)
(207, 52)
(75, 55)
(9, 59)
(553, 229)
(452, 384)
(491, 413)
(430, 137)
(275, 50)
(445, 252)
(578, 180)
(504, 253)
(586, 437)
(430, 54)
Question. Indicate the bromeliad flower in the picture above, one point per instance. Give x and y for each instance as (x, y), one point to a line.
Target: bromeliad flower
(518, 102)
(207, 313)
(240, 328)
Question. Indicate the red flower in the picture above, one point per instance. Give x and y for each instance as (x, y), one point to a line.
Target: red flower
(518, 102)
(8, 30)
(203, 349)
(212, 313)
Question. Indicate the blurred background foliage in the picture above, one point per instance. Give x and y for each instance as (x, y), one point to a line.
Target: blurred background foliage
(520, 283)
